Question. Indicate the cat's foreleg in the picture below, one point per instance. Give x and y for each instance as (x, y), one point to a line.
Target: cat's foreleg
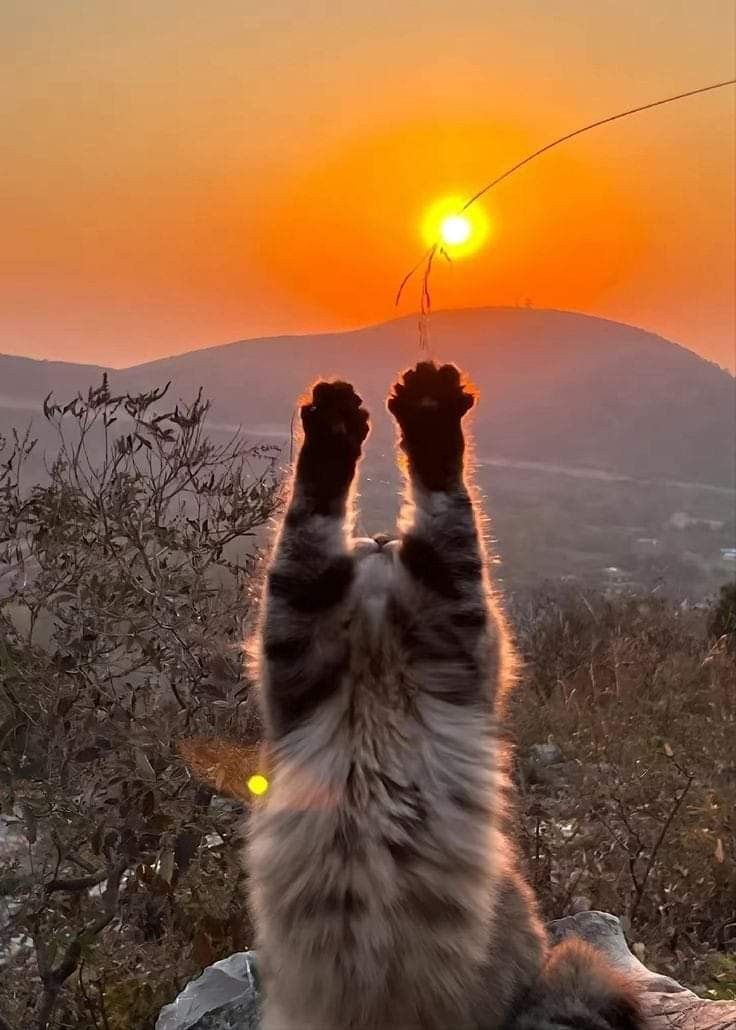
(441, 553)
(311, 572)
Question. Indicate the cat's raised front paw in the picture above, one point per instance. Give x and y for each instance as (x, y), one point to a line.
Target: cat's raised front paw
(334, 418)
(429, 403)
(427, 392)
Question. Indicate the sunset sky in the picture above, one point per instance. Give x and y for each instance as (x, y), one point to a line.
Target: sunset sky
(178, 174)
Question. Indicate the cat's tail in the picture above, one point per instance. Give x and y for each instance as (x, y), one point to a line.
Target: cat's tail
(579, 990)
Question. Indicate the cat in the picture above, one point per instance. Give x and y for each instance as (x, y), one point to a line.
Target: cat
(384, 886)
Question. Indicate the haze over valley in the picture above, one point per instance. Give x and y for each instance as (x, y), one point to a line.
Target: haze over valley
(605, 453)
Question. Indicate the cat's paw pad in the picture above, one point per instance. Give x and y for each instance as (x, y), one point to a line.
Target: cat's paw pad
(334, 414)
(427, 392)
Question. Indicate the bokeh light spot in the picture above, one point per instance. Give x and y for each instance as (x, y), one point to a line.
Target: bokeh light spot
(257, 784)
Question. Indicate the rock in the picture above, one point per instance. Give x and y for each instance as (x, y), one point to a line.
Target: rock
(543, 755)
(544, 765)
(604, 932)
(225, 996)
(667, 1004)
(13, 841)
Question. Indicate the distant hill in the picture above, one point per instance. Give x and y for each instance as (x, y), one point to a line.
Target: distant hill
(589, 438)
(24, 382)
(556, 387)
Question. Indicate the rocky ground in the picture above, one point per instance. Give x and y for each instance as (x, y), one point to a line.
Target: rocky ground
(225, 996)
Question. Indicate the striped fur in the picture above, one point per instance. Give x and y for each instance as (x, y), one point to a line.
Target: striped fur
(384, 892)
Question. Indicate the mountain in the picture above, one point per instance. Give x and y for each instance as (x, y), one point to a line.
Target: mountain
(24, 382)
(608, 453)
(556, 387)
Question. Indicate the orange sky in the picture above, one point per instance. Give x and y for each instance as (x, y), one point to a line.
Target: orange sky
(178, 174)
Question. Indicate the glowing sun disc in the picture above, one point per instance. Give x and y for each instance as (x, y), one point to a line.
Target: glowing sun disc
(456, 231)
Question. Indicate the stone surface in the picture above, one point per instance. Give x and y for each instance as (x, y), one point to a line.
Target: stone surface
(225, 996)
(545, 754)
(667, 1004)
(604, 932)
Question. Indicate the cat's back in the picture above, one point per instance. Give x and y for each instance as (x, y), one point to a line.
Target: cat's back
(371, 852)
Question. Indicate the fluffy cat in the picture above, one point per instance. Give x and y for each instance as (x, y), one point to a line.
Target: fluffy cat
(384, 888)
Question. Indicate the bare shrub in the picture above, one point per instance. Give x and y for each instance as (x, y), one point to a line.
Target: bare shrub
(124, 579)
(723, 620)
(123, 583)
(639, 817)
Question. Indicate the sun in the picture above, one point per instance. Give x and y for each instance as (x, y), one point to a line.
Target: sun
(456, 231)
